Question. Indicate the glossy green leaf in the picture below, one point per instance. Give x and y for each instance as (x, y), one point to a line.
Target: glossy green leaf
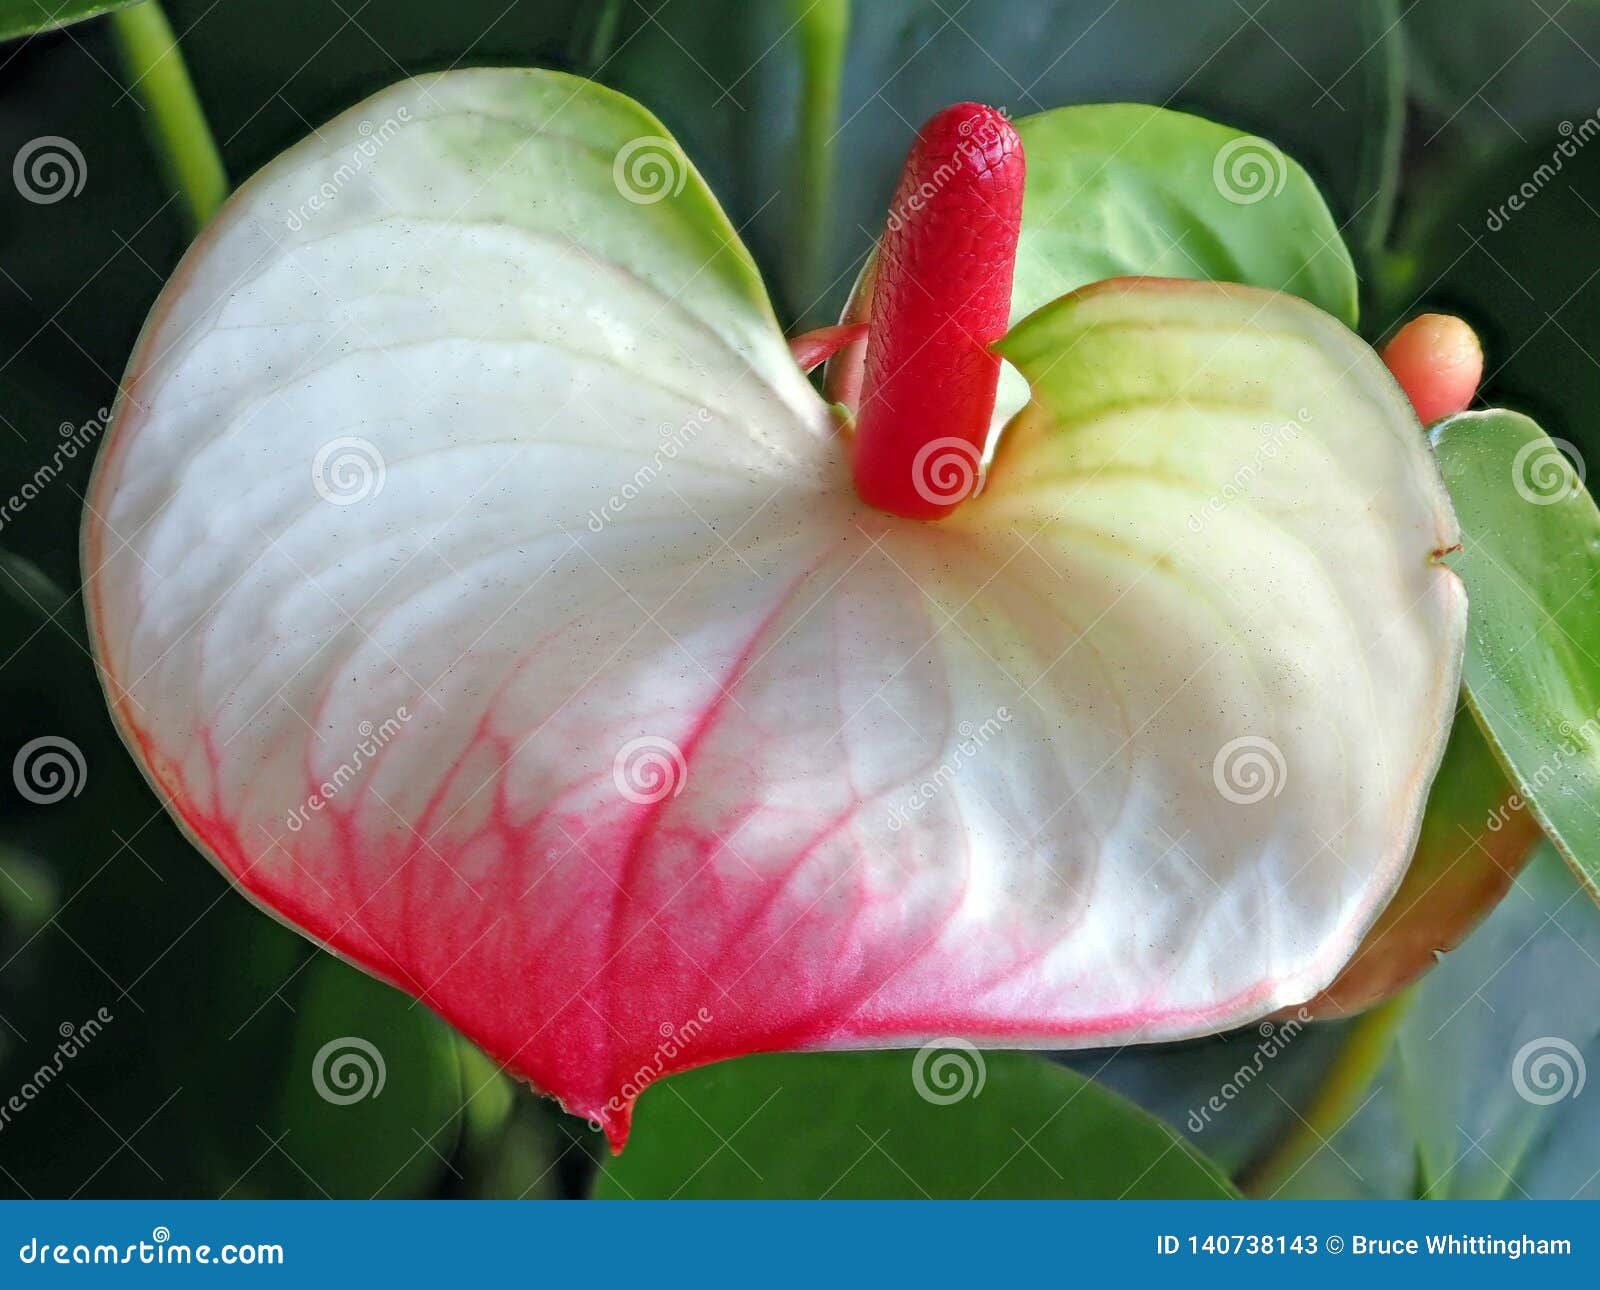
(1124, 189)
(372, 1092)
(196, 1042)
(946, 1123)
(24, 17)
(1530, 557)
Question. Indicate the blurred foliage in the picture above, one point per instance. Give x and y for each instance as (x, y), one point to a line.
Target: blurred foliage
(1419, 126)
(1446, 1115)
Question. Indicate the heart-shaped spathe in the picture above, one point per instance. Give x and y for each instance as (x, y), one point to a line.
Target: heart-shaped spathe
(481, 584)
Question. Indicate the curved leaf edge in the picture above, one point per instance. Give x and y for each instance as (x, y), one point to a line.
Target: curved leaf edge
(53, 18)
(1547, 825)
(1097, 1098)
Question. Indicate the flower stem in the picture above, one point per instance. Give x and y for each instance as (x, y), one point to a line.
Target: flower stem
(823, 28)
(174, 121)
(1336, 1101)
(602, 39)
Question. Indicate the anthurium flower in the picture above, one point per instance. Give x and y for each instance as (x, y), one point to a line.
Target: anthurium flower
(485, 588)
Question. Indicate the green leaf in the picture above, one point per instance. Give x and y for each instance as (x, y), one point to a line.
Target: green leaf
(373, 1091)
(1445, 1116)
(1530, 558)
(1232, 1094)
(24, 17)
(1489, 1092)
(1492, 1049)
(1126, 189)
(948, 1123)
(1374, 1156)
